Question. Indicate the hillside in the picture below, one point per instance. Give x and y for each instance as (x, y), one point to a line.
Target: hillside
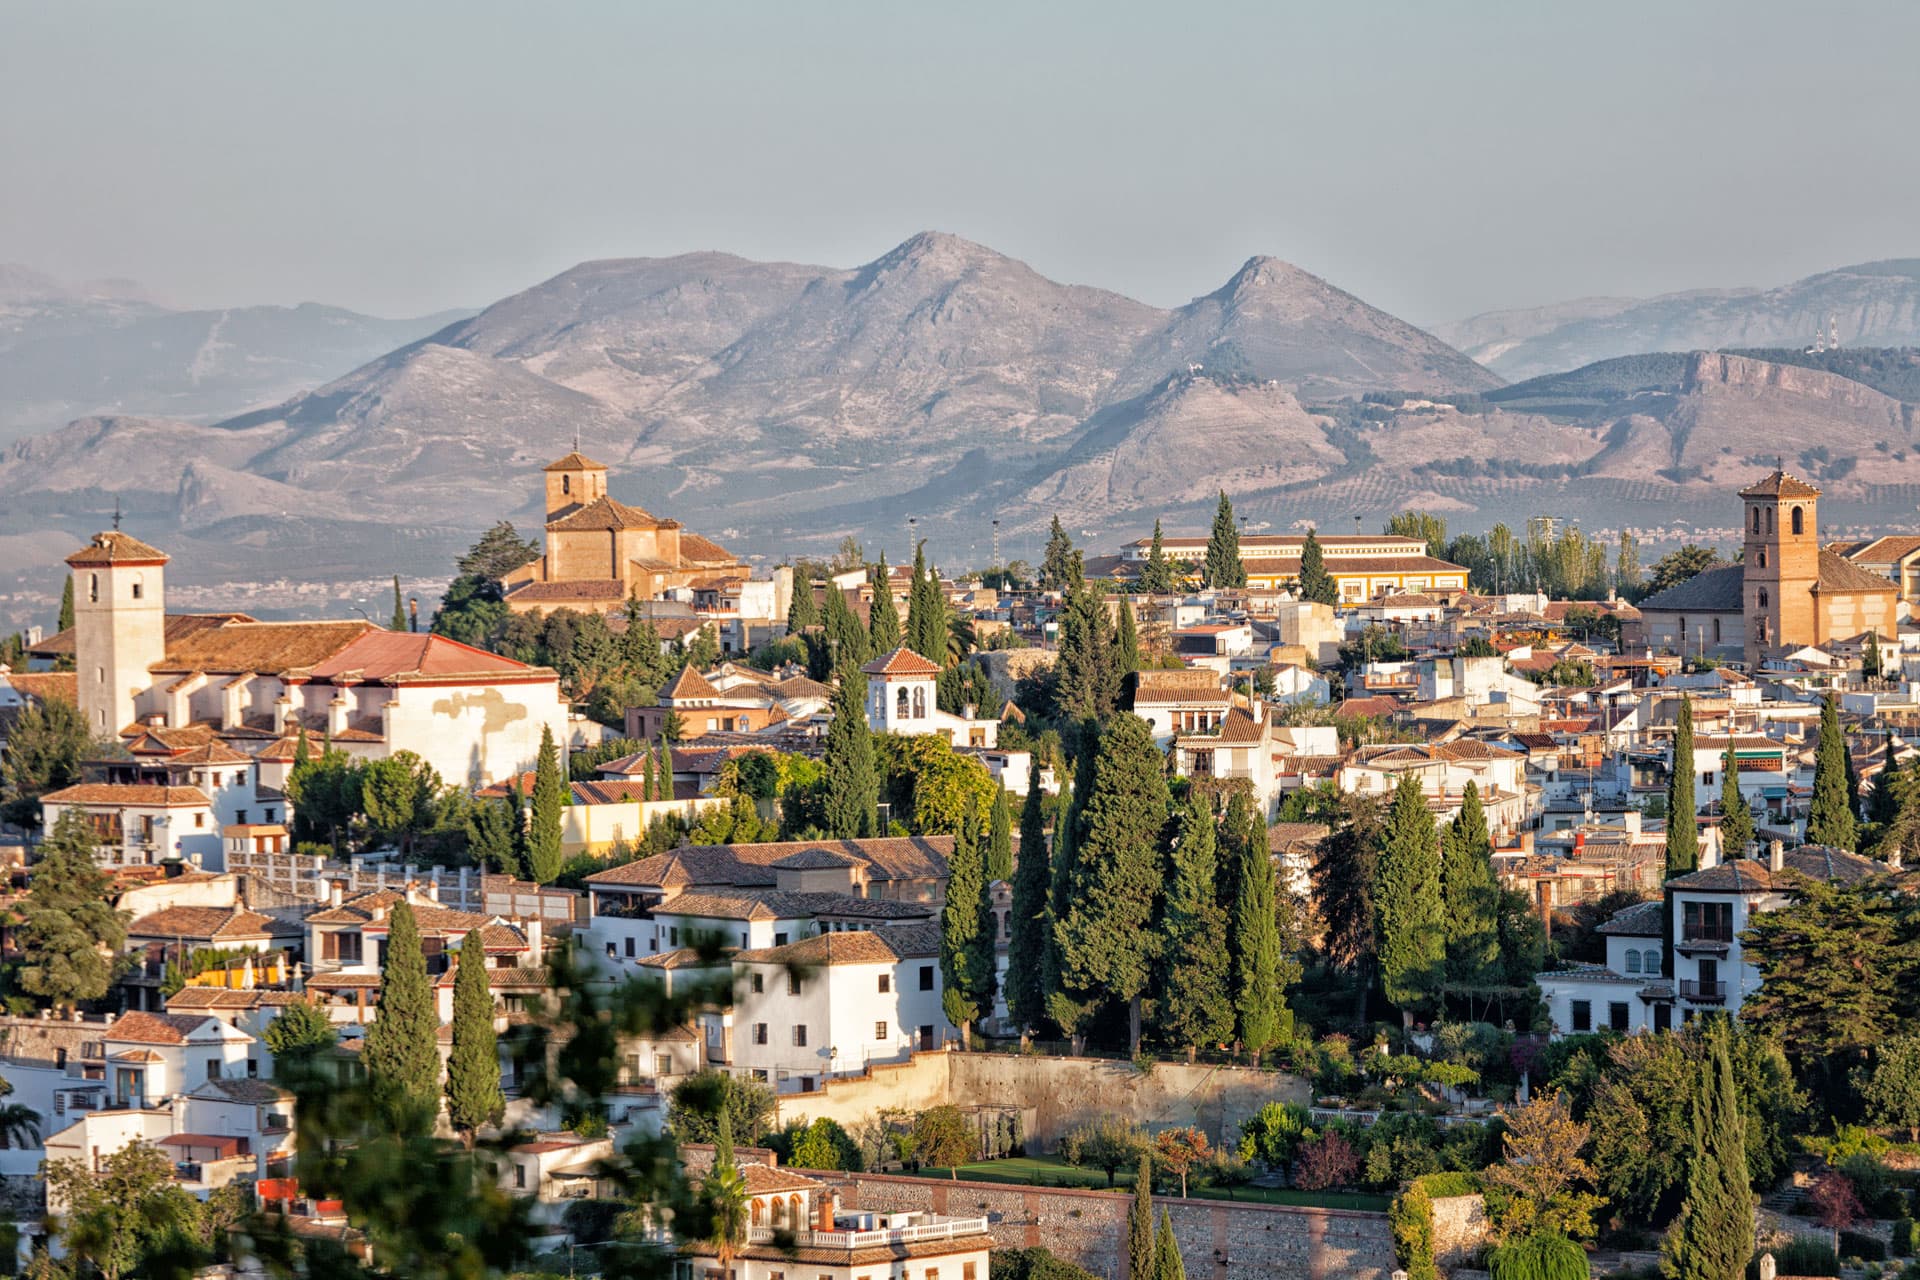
(1874, 304)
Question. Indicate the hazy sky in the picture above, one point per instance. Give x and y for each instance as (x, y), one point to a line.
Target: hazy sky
(1436, 159)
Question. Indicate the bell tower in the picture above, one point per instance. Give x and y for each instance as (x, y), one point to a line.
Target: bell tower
(119, 626)
(1782, 563)
(572, 483)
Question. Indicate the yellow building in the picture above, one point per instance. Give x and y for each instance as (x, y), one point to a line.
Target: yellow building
(1363, 566)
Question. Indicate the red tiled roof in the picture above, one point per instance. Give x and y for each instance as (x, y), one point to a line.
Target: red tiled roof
(202, 922)
(383, 655)
(114, 547)
(63, 686)
(689, 684)
(141, 1027)
(605, 514)
(1780, 485)
(575, 461)
(128, 794)
(901, 662)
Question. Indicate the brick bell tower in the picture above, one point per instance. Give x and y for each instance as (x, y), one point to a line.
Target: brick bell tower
(1782, 566)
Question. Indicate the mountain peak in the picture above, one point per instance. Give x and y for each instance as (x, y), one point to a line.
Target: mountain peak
(937, 248)
(1264, 272)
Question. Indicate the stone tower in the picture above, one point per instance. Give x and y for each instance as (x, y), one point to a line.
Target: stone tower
(1782, 565)
(572, 483)
(119, 625)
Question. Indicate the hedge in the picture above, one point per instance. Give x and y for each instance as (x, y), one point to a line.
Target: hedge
(1411, 1217)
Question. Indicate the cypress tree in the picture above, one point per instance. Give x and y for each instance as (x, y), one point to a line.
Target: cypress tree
(883, 620)
(490, 836)
(522, 841)
(1140, 1224)
(1830, 820)
(926, 611)
(1870, 659)
(1713, 1237)
(1088, 686)
(1736, 817)
(853, 785)
(1167, 1263)
(1471, 896)
(1032, 914)
(844, 632)
(1060, 567)
(474, 1098)
(1316, 584)
(1409, 919)
(1253, 939)
(960, 927)
(1106, 948)
(1224, 567)
(1192, 1006)
(66, 605)
(402, 1056)
(801, 612)
(1000, 834)
(1157, 578)
(544, 857)
(1070, 1013)
(399, 607)
(646, 777)
(1683, 831)
(1126, 644)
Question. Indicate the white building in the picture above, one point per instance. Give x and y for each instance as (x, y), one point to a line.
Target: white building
(901, 699)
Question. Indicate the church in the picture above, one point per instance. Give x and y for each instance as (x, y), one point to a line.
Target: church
(601, 552)
(1786, 592)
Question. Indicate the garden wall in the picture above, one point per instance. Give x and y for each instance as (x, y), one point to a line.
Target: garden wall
(1459, 1229)
(1218, 1239)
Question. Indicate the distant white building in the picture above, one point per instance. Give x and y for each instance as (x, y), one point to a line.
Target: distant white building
(901, 698)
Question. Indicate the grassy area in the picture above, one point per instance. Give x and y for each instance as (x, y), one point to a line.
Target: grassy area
(1046, 1172)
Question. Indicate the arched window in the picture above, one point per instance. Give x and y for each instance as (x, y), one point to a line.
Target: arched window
(1683, 631)
(1769, 519)
(900, 704)
(1653, 961)
(1633, 962)
(93, 588)
(1763, 557)
(759, 1209)
(1799, 520)
(1763, 597)
(1756, 519)
(566, 484)
(920, 704)
(1716, 631)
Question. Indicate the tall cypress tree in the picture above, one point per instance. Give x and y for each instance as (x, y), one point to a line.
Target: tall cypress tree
(844, 632)
(1713, 1237)
(1870, 657)
(402, 1054)
(801, 611)
(490, 840)
(1140, 1224)
(1683, 831)
(399, 622)
(1192, 1004)
(1471, 896)
(1830, 820)
(1126, 643)
(1259, 1006)
(1157, 578)
(1409, 917)
(1316, 584)
(66, 605)
(853, 783)
(960, 926)
(544, 856)
(1000, 835)
(1167, 1263)
(1032, 914)
(883, 620)
(1106, 948)
(1070, 1013)
(1736, 816)
(1060, 567)
(1224, 568)
(474, 1098)
(1088, 683)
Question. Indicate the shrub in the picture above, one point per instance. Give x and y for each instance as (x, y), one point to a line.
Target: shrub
(1327, 1161)
(1847, 1140)
(1800, 1256)
(1879, 1194)
(1906, 1237)
(1856, 1244)
(1546, 1256)
(1441, 1185)
(1273, 1134)
(1411, 1217)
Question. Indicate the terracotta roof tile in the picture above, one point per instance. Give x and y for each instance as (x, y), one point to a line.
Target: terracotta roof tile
(1837, 573)
(114, 547)
(689, 684)
(204, 922)
(128, 794)
(901, 662)
(575, 461)
(568, 590)
(141, 1027)
(606, 514)
(270, 647)
(867, 946)
(1780, 485)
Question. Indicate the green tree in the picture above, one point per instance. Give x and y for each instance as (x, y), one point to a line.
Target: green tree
(696, 1104)
(1714, 1236)
(1835, 964)
(944, 1138)
(324, 793)
(120, 1211)
(1140, 1223)
(1830, 819)
(1891, 1088)
(1683, 831)
(883, 620)
(1736, 818)
(927, 611)
(845, 635)
(1471, 897)
(1167, 1263)
(1409, 917)
(1032, 916)
(1224, 568)
(474, 1098)
(801, 612)
(1870, 657)
(727, 1200)
(1000, 834)
(400, 795)
(1676, 567)
(44, 747)
(544, 854)
(1157, 577)
(852, 786)
(1088, 679)
(1126, 643)
(1626, 568)
(1344, 880)
(1544, 1177)
(1260, 1017)
(966, 934)
(1105, 947)
(1316, 584)
(1424, 525)
(65, 622)
(69, 936)
(402, 1053)
(1060, 568)
(490, 835)
(298, 1033)
(399, 622)
(1192, 1000)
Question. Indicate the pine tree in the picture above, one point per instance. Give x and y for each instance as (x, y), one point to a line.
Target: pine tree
(801, 612)
(1032, 916)
(1126, 644)
(1316, 584)
(1140, 1224)
(1683, 830)
(1000, 834)
(1829, 820)
(68, 932)
(1157, 578)
(1060, 568)
(490, 841)
(474, 1098)
(1224, 568)
(1471, 897)
(1106, 949)
(1736, 817)
(1192, 1006)
(883, 620)
(1714, 1235)
(399, 622)
(853, 785)
(1409, 916)
(544, 856)
(1253, 938)
(66, 605)
(1167, 1263)
(960, 925)
(402, 1056)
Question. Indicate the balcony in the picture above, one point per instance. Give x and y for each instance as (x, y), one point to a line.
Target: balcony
(1697, 992)
(941, 1229)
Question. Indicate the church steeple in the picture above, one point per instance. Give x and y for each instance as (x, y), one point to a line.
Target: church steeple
(572, 483)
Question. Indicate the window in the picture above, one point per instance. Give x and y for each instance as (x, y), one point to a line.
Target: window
(759, 983)
(1663, 1017)
(779, 939)
(520, 1176)
(1652, 960)
(926, 977)
(1799, 520)
(900, 704)
(966, 1271)
(136, 588)
(1755, 513)
(566, 484)
(673, 935)
(919, 704)
(93, 588)
(629, 948)
(1763, 557)
(1583, 1015)
(1716, 631)
(759, 1033)
(213, 1069)
(612, 952)
(793, 984)
(800, 1037)
(1633, 962)
(1617, 1015)
(269, 817)
(886, 983)
(662, 1065)
(1706, 921)
(879, 1031)
(240, 816)
(1707, 778)
(199, 819)
(1763, 597)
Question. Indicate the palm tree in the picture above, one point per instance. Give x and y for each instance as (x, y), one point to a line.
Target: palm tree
(960, 638)
(19, 1125)
(725, 1191)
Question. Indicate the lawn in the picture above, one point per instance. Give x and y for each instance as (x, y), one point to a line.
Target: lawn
(1047, 1172)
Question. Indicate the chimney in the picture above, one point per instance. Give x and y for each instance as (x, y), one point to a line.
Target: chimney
(413, 614)
(336, 892)
(536, 931)
(282, 711)
(433, 888)
(413, 892)
(1579, 843)
(823, 1210)
(1776, 856)
(337, 715)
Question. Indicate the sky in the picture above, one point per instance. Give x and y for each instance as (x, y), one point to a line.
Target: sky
(1436, 159)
